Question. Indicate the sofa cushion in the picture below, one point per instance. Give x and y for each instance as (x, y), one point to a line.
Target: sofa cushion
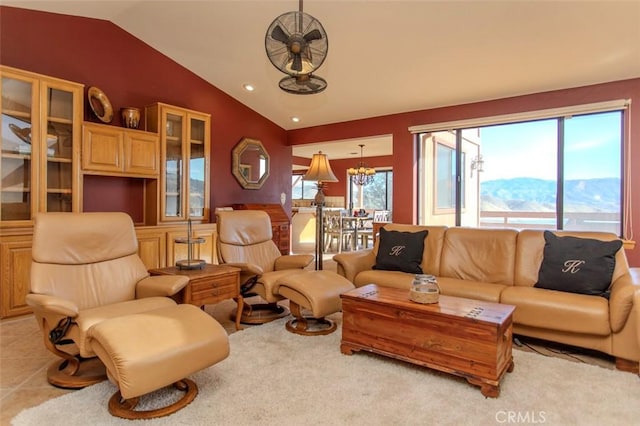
(483, 255)
(400, 251)
(470, 289)
(394, 279)
(577, 265)
(558, 310)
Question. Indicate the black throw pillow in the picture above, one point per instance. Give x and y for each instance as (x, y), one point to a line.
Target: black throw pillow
(577, 265)
(400, 251)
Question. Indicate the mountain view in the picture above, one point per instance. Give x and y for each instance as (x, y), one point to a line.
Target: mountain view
(530, 194)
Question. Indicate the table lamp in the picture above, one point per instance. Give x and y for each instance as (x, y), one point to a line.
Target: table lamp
(320, 172)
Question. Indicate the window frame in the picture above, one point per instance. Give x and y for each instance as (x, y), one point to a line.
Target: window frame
(458, 127)
(388, 171)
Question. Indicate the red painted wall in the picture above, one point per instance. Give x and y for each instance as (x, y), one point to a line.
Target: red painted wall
(131, 73)
(404, 153)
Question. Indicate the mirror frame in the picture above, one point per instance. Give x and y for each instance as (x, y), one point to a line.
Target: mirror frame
(236, 166)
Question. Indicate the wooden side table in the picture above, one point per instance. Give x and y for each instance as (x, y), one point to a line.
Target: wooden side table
(209, 285)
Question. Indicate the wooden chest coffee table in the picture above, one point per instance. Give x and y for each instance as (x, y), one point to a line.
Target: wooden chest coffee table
(465, 337)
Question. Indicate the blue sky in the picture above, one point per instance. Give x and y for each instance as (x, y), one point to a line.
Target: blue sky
(592, 148)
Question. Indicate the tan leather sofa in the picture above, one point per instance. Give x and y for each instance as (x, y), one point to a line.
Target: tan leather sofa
(501, 265)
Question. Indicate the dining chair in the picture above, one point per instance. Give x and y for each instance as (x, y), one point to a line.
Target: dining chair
(379, 216)
(336, 229)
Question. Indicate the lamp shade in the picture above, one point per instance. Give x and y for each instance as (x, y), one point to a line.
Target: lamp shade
(320, 169)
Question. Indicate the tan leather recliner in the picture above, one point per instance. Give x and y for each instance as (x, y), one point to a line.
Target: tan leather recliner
(245, 241)
(85, 269)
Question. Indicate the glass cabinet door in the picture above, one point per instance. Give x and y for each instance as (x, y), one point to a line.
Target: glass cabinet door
(40, 126)
(184, 178)
(197, 169)
(57, 149)
(18, 163)
(173, 167)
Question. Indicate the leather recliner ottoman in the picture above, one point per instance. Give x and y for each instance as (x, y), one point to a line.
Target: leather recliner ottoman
(316, 291)
(147, 351)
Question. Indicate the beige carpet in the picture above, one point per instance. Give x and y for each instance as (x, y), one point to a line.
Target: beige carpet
(275, 377)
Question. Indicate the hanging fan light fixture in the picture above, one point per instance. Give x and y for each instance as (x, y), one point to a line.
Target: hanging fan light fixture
(297, 45)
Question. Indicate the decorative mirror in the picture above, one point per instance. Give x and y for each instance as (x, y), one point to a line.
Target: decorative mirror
(250, 163)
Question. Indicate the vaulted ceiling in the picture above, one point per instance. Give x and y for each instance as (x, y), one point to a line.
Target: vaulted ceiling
(387, 56)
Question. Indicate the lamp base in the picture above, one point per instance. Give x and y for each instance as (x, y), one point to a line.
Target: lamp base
(190, 264)
(319, 200)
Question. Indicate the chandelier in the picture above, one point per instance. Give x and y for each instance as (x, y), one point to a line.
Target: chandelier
(361, 175)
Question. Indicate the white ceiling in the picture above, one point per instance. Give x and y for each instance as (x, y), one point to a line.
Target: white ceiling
(386, 56)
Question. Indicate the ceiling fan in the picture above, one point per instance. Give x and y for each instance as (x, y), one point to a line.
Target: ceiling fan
(297, 45)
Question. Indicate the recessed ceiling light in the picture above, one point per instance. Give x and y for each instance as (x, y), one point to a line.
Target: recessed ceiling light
(248, 87)
(295, 119)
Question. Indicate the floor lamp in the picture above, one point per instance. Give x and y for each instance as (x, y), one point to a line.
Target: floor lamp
(320, 172)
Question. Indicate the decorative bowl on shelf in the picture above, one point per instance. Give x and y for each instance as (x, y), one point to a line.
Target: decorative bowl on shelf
(100, 104)
(24, 134)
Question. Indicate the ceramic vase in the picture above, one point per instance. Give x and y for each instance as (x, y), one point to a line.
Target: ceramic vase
(130, 117)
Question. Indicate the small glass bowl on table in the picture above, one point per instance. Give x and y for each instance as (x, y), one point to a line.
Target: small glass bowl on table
(424, 289)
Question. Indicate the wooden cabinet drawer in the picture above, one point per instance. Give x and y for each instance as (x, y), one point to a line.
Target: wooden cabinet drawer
(209, 285)
(224, 287)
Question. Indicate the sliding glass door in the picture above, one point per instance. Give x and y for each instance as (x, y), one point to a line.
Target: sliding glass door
(558, 173)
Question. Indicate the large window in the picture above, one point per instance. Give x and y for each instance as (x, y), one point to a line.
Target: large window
(378, 195)
(302, 189)
(562, 172)
(445, 178)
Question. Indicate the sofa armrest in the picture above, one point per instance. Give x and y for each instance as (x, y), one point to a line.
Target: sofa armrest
(52, 305)
(293, 261)
(352, 263)
(160, 285)
(623, 292)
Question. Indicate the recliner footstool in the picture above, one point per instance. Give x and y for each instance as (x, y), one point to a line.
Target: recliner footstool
(316, 291)
(147, 351)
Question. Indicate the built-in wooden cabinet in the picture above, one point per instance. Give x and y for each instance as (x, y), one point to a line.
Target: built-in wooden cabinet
(47, 150)
(183, 191)
(114, 151)
(152, 247)
(204, 251)
(15, 264)
(39, 163)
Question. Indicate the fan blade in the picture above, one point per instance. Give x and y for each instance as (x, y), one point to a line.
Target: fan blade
(297, 62)
(313, 35)
(305, 80)
(279, 34)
